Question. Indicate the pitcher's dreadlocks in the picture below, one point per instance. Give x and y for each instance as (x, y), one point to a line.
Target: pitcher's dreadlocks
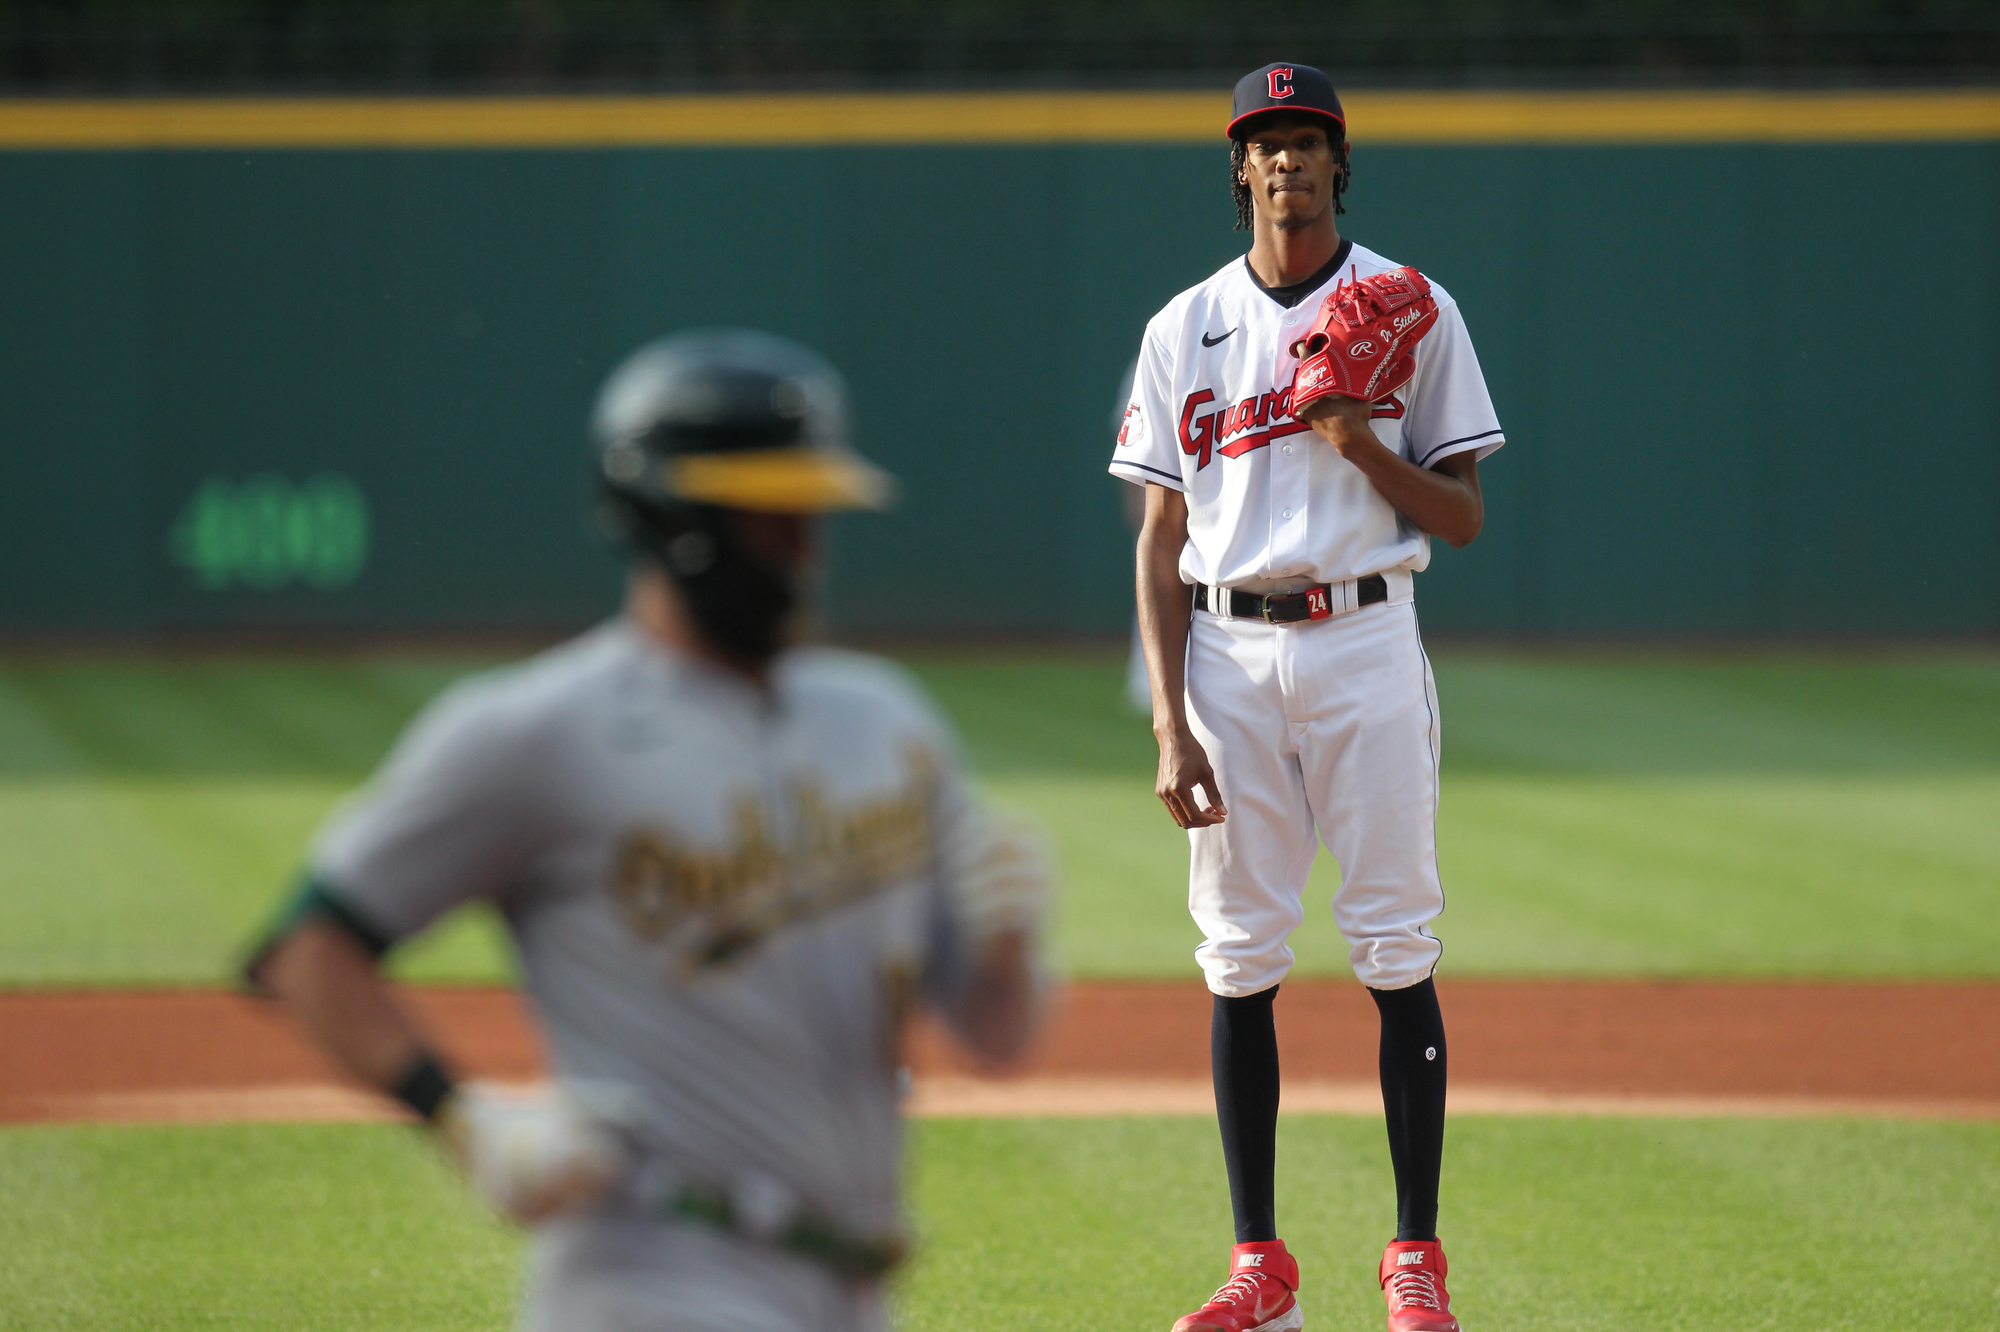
(1239, 156)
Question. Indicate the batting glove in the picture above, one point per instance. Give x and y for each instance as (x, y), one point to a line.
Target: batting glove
(531, 1153)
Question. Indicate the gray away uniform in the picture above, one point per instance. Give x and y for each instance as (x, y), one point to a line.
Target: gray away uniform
(722, 902)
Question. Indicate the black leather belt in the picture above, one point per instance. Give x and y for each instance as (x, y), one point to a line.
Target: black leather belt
(1317, 602)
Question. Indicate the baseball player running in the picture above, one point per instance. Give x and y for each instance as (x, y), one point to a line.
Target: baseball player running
(1303, 423)
(728, 866)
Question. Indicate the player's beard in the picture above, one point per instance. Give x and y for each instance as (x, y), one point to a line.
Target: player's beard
(740, 602)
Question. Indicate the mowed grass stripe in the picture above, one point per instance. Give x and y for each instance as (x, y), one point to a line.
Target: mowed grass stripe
(194, 717)
(1790, 815)
(1741, 876)
(1567, 876)
(1519, 713)
(1668, 716)
(1553, 1225)
(92, 892)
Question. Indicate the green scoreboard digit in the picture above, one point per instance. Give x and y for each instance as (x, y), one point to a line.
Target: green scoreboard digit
(266, 532)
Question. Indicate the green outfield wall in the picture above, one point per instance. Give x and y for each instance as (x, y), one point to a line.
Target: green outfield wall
(292, 378)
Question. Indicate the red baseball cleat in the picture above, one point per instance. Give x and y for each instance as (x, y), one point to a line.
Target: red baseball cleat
(1413, 1283)
(1257, 1297)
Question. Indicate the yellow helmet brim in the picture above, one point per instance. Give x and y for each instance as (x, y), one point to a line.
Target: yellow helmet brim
(781, 480)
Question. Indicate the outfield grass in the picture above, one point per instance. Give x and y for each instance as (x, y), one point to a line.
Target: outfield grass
(154, 812)
(1094, 1225)
(293, 1227)
(1551, 1225)
(1835, 816)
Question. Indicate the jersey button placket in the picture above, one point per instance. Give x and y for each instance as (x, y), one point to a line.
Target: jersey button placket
(1289, 474)
(1285, 464)
(1288, 552)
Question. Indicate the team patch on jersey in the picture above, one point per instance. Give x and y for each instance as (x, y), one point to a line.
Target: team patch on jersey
(1248, 425)
(1133, 420)
(709, 907)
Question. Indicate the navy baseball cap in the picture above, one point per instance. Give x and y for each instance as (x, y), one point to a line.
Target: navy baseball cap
(1284, 87)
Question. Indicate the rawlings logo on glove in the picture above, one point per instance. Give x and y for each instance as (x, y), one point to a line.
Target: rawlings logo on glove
(1363, 345)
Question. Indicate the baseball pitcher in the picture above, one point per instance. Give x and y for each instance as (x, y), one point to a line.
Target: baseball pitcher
(1303, 423)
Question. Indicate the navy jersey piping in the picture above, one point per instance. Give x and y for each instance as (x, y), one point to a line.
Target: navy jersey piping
(1290, 296)
(1464, 439)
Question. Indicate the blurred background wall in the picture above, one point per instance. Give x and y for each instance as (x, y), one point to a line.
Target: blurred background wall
(277, 361)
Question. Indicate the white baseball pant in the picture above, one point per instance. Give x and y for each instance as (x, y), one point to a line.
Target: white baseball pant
(1327, 725)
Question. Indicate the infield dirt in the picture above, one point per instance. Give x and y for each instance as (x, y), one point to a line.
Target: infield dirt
(1904, 1049)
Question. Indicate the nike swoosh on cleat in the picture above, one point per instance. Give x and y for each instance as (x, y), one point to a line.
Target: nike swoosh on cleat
(1291, 1320)
(1207, 341)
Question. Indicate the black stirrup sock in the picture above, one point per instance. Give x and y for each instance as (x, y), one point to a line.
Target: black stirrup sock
(1413, 1102)
(1243, 1053)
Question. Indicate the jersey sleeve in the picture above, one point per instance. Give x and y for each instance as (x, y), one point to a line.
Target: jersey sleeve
(990, 874)
(993, 877)
(1147, 447)
(451, 817)
(1449, 409)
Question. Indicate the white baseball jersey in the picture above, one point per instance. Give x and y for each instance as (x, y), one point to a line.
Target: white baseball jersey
(721, 900)
(1269, 502)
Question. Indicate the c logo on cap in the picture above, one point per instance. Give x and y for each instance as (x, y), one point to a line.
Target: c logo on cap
(1281, 84)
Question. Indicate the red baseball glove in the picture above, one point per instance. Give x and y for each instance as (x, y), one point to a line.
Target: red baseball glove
(1363, 344)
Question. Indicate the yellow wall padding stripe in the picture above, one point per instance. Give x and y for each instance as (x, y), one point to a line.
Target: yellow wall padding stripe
(974, 118)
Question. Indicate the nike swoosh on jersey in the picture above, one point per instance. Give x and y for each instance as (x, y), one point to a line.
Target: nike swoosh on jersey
(1207, 341)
